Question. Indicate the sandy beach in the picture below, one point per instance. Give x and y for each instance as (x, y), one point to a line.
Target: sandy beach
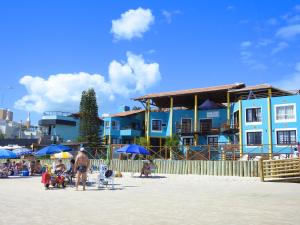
(164, 199)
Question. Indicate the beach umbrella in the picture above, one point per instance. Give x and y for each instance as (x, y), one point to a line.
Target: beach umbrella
(133, 149)
(52, 149)
(22, 151)
(7, 154)
(62, 155)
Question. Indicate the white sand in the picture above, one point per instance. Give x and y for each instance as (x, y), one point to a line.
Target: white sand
(174, 199)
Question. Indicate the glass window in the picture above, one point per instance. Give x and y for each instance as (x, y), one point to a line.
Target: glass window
(286, 137)
(114, 125)
(285, 112)
(186, 125)
(253, 115)
(254, 138)
(212, 141)
(156, 125)
(106, 123)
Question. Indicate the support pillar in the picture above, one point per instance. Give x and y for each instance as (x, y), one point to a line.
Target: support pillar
(147, 119)
(196, 120)
(270, 123)
(240, 129)
(171, 124)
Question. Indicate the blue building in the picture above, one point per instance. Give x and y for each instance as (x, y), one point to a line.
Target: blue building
(254, 120)
(124, 127)
(59, 127)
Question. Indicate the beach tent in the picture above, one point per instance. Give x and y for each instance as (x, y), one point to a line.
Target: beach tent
(62, 155)
(7, 154)
(52, 149)
(22, 151)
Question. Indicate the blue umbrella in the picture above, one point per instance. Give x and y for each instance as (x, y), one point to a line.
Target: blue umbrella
(7, 154)
(52, 149)
(22, 151)
(133, 149)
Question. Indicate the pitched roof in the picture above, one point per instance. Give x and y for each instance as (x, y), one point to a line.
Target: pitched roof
(192, 91)
(127, 113)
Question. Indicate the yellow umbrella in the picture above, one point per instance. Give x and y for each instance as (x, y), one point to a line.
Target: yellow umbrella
(62, 155)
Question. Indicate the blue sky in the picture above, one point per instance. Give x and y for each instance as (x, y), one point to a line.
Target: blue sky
(151, 46)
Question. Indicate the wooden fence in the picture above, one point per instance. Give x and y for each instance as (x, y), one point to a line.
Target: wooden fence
(200, 167)
(285, 169)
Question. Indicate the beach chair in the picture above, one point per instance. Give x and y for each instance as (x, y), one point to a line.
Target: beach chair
(105, 177)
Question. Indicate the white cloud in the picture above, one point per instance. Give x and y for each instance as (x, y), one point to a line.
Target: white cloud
(63, 91)
(169, 15)
(248, 59)
(133, 23)
(230, 8)
(297, 8)
(291, 82)
(280, 47)
(272, 21)
(288, 32)
(133, 76)
(246, 44)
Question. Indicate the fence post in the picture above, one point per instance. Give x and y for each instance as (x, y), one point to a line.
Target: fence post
(261, 169)
(208, 152)
(171, 153)
(187, 152)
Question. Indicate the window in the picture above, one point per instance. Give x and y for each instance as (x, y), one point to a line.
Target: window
(106, 123)
(213, 140)
(285, 113)
(156, 125)
(253, 115)
(114, 125)
(187, 141)
(186, 125)
(286, 137)
(254, 138)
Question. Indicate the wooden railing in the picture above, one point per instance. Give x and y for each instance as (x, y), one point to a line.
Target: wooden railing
(285, 169)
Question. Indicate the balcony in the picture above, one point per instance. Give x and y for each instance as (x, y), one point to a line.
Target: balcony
(182, 129)
(133, 131)
(230, 128)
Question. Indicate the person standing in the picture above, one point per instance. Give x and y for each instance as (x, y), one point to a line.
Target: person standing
(81, 166)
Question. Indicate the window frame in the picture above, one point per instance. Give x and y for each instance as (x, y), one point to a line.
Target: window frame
(253, 123)
(116, 126)
(186, 118)
(285, 129)
(212, 136)
(159, 131)
(255, 145)
(285, 120)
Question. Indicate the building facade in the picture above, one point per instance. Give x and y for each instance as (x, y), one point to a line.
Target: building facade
(257, 119)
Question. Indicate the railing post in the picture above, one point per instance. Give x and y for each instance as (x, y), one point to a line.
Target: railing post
(209, 152)
(187, 153)
(261, 169)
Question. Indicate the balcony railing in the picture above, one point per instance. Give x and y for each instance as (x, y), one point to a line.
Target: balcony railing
(229, 128)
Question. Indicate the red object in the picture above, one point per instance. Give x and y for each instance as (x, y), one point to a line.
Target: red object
(46, 177)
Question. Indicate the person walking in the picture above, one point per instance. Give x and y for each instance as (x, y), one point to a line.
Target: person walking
(81, 166)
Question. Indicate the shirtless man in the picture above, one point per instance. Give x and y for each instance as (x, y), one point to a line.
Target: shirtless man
(81, 166)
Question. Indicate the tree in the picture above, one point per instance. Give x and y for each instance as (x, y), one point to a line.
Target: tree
(173, 145)
(89, 120)
(2, 136)
(141, 141)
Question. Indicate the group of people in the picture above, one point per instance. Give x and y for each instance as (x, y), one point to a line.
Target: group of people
(14, 168)
(77, 167)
